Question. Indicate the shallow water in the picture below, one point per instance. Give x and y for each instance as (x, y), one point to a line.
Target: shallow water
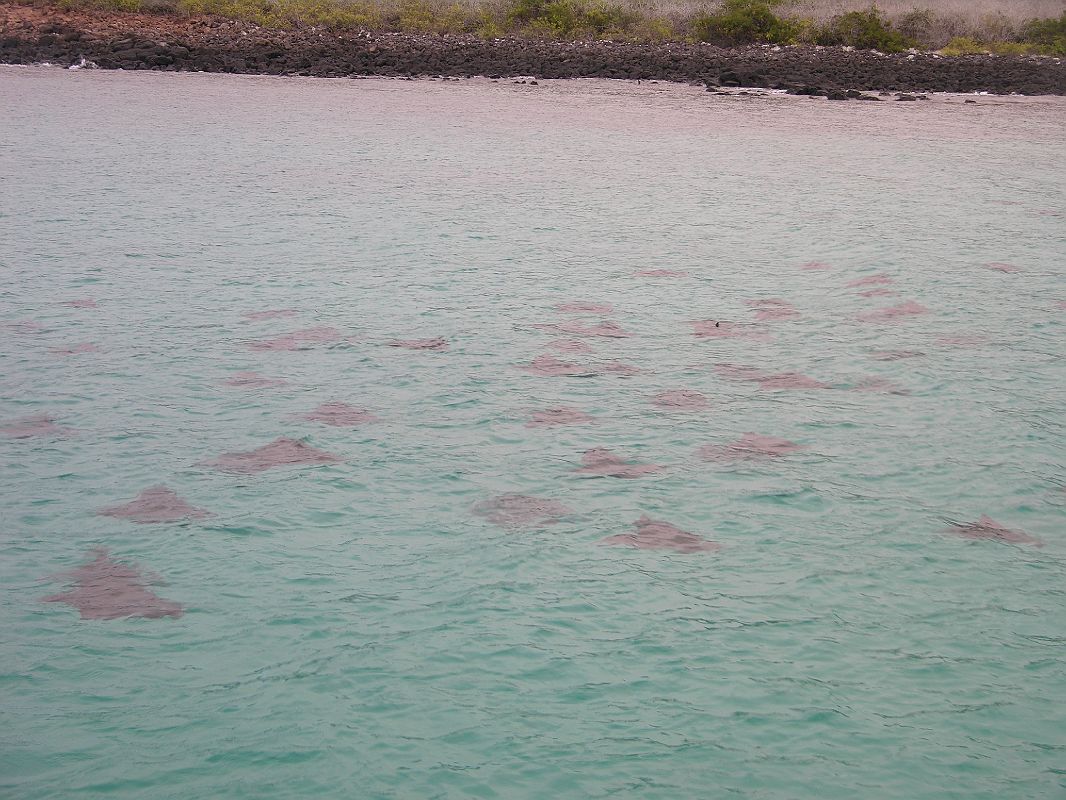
(359, 629)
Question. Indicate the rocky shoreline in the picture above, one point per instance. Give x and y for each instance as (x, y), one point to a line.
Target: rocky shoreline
(31, 35)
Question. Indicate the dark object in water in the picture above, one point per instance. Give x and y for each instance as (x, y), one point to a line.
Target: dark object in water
(282, 452)
(560, 415)
(908, 309)
(253, 380)
(155, 504)
(298, 340)
(602, 462)
(988, 528)
(551, 367)
(107, 589)
(437, 344)
(521, 511)
(339, 415)
(652, 534)
(37, 425)
(750, 445)
(681, 400)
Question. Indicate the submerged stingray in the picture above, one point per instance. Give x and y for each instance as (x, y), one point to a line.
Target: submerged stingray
(750, 445)
(581, 307)
(681, 400)
(340, 415)
(1061, 304)
(36, 425)
(811, 266)
(878, 292)
(439, 343)
(740, 372)
(75, 349)
(895, 355)
(298, 340)
(619, 368)
(999, 266)
(717, 329)
(606, 328)
(653, 534)
(791, 380)
(84, 302)
(560, 415)
(880, 385)
(107, 589)
(253, 380)
(966, 340)
(988, 528)
(520, 511)
(601, 461)
(569, 346)
(274, 313)
(661, 273)
(773, 308)
(24, 326)
(907, 309)
(871, 280)
(551, 367)
(282, 452)
(155, 504)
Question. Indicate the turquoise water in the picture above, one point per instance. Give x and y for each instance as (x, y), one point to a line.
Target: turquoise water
(355, 629)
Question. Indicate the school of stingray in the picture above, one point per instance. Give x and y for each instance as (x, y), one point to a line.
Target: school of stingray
(104, 588)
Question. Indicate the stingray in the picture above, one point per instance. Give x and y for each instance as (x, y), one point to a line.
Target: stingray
(607, 329)
(681, 400)
(282, 452)
(750, 445)
(440, 343)
(37, 425)
(551, 367)
(878, 292)
(107, 589)
(72, 350)
(339, 415)
(253, 380)
(740, 372)
(569, 346)
(988, 528)
(871, 280)
(1061, 304)
(879, 385)
(298, 340)
(581, 307)
(653, 534)
(274, 313)
(791, 380)
(155, 504)
(773, 308)
(602, 462)
(966, 340)
(24, 326)
(619, 368)
(661, 273)
(520, 511)
(717, 329)
(84, 302)
(908, 309)
(811, 266)
(559, 415)
(895, 355)
(999, 266)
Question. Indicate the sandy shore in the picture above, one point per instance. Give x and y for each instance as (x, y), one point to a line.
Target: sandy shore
(138, 41)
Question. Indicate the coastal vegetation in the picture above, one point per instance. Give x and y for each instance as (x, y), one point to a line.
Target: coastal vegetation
(1026, 27)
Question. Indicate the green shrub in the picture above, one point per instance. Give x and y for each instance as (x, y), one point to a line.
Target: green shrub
(740, 22)
(1048, 34)
(570, 18)
(867, 30)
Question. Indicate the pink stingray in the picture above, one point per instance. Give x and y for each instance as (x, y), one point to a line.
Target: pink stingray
(298, 340)
(569, 346)
(37, 425)
(894, 355)
(607, 329)
(660, 273)
(879, 292)
(619, 368)
(880, 386)
(550, 366)
(81, 347)
(560, 415)
(999, 266)
(1061, 304)
(681, 400)
(25, 326)
(84, 302)
(601, 461)
(750, 445)
(988, 528)
(339, 415)
(282, 452)
(253, 380)
(107, 589)
(652, 534)
(274, 313)
(791, 380)
(581, 307)
(521, 511)
(155, 504)
(437, 344)
(712, 329)
(907, 309)
(967, 340)
(740, 372)
(811, 266)
(871, 280)
(770, 314)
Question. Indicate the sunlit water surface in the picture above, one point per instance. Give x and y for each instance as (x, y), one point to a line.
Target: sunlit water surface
(356, 630)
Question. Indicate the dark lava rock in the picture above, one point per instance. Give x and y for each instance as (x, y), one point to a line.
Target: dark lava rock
(906, 97)
(836, 95)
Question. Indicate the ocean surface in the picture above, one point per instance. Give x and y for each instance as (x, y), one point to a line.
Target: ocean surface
(460, 602)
